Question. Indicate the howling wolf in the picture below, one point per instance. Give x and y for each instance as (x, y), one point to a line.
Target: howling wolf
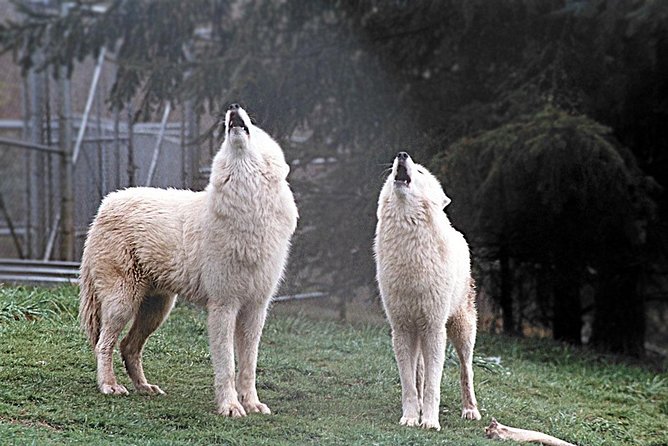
(424, 276)
(224, 248)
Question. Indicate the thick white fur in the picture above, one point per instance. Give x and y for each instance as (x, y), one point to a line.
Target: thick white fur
(224, 248)
(424, 275)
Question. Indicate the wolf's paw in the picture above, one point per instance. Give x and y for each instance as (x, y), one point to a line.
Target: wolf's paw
(231, 409)
(409, 421)
(430, 424)
(470, 413)
(256, 407)
(113, 389)
(149, 389)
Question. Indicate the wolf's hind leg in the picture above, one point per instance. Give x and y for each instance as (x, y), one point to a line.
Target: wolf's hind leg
(153, 311)
(462, 332)
(116, 311)
(419, 380)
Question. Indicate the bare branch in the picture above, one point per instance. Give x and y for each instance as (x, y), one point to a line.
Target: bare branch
(498, 431)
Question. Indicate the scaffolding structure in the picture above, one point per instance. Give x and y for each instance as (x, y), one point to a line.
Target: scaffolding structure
(56, 170)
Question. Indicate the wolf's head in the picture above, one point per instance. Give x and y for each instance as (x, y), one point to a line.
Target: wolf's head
(247, 151)
(237, 127)
(411, 185)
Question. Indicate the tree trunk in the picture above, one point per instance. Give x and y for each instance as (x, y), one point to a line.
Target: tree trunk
(619, 313)
(506, 295)
(567, 308)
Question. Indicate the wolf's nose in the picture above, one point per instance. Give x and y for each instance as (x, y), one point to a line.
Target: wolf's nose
(234, 106)
(403, 156)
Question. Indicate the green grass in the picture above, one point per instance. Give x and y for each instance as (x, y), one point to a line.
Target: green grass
(327, 383)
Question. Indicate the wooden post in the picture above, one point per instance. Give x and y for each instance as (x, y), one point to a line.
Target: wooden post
(37, 186)
(131, 149)
(192, 150)
(67, 229)
(117, 148)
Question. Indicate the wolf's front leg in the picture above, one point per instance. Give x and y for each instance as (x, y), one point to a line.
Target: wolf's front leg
(433, 349)
(405, 347)
(221, 322)
(250, 322)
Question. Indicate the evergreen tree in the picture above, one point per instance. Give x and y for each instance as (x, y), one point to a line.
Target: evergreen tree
(555, 190)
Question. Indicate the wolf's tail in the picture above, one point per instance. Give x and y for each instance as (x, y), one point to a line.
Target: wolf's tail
(89, 306)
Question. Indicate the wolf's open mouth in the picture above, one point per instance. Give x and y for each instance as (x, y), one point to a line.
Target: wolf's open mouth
(237, 121)
(402, 178)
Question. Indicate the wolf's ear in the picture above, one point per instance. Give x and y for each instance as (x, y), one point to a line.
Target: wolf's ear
(285, 171)
(437, 197)
(446, 201)
(442, 201)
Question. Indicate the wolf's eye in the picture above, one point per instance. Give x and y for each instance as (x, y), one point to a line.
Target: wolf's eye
(421, 172)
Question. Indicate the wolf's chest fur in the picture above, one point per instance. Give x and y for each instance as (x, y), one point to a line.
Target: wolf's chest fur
(419, 268)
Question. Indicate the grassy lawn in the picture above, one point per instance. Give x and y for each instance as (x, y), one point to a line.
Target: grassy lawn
(326, 383)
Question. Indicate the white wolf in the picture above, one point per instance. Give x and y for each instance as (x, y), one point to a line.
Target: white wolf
(224, 247)
(424, 274)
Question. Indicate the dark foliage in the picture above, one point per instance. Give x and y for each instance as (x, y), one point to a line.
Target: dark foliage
(557, 192)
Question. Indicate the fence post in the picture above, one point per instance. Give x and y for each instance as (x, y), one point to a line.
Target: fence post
(131, 147)
(192, 148)
(117, 148)
(37, 187)
(66, 168)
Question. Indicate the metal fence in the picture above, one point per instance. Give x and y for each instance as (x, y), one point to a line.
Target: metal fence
(31, 189)
(57, 164)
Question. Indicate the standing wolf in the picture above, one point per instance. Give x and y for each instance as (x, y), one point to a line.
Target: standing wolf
(424, 275)
(224, 247)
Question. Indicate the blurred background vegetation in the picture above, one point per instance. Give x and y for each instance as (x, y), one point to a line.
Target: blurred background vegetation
(545, 121)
